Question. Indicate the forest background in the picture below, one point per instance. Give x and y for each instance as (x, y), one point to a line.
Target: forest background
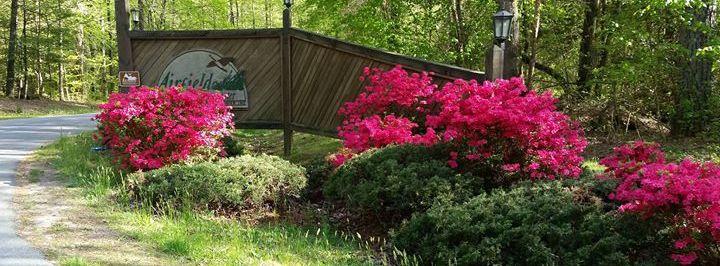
(619, 66)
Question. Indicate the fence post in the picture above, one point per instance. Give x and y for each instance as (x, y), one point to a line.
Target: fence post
(122, 27)
(286, 82)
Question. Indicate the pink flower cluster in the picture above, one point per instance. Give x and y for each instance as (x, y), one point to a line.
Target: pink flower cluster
(494, 119)
(387, 111)
(505, 118)
(148, 128)
(685, 195)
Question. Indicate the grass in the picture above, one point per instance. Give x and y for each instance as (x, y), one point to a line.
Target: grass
(306, 147)
(197, 237)
(14, 109)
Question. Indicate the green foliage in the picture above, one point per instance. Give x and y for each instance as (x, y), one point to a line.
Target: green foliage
(232, 146)
(231, 183)
(317, 171)
(401, 180)
(196, 237)
(540, 223)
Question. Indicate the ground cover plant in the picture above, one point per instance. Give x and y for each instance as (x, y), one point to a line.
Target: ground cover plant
(540, 223)
(397, 181)
(236, 183)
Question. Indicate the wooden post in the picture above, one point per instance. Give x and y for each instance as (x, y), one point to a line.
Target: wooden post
(122, 27)
(501, 62)
(286, 82)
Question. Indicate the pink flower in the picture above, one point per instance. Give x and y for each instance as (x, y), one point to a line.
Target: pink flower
(682, 195)
(148, 128)
(501, 119)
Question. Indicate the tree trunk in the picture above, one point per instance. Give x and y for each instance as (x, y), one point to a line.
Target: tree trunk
(534, 43)
(692, 100)
(141, 15)
(61, 67)
(81, 56)
(23, 92)
(460, 33)
(12, 42)
(587, 60)
(38, 61)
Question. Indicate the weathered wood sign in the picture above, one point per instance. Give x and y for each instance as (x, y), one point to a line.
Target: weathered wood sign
(207, 69)
(277, 78)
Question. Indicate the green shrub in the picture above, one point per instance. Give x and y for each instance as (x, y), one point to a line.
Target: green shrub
(317, 171)
(232, 146)
(238, 182)
(541, 223)
(400, 180)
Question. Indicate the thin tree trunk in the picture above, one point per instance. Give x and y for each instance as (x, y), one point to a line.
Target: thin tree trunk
(141, 15)
(252, 9)
(61, 67)
(38, 61)
(12, 43)
(267, 14)
(460, 36)
(23, 93)
(81, 56)
(534, 43)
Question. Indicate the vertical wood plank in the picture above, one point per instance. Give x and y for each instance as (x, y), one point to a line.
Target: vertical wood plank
(287, 82)
(122, 26)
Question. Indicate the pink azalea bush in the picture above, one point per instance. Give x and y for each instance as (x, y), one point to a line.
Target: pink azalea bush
(684, 195)
(500, 119)
(148, 128)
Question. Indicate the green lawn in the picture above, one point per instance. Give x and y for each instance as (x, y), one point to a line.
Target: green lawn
(13, 108)
(200, 238)
(306, 147)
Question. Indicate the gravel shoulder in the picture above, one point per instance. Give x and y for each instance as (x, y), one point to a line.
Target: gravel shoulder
(57, 220)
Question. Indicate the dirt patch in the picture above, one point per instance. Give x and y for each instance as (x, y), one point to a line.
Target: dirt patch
(57, 220)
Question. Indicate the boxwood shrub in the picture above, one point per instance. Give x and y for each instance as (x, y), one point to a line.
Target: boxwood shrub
(238, 182)
(540, 223)
(400, 180)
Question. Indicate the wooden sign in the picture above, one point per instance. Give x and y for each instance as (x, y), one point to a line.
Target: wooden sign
(129, 78)
(209, 70)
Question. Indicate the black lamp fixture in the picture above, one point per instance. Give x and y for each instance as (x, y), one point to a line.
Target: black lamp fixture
(135, 15)
(502, 25)
(288, 3)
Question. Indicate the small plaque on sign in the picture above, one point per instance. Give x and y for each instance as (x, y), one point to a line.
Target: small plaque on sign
(129, 78)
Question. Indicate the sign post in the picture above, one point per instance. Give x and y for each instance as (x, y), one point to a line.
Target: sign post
(286, 81)
(122, 26)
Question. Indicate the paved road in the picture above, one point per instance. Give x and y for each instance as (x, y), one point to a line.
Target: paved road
(18, 139)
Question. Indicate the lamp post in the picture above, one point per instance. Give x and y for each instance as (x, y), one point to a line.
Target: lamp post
(502, 26)
(499, 59)
(135, 15)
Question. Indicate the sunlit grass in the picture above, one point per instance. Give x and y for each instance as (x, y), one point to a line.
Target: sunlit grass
(200, 238)
(11, 110)
(306, 147)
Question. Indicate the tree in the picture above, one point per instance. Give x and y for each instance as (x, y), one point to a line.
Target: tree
(692, 99)
(10, 79)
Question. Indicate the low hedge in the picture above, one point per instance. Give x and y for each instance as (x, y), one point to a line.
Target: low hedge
(401, 180)
(540, 223)
(238, 182)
